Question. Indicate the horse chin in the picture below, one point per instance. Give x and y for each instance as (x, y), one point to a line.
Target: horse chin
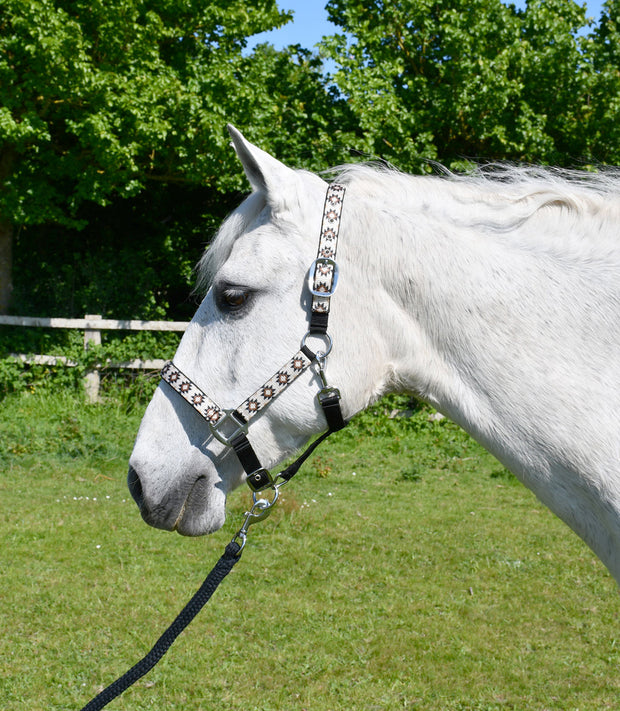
(199, 523)
(203, 512)
(190, 525)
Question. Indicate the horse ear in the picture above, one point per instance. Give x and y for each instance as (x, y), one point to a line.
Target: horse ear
(264, 172)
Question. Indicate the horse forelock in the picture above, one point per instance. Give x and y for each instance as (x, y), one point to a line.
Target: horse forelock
(231, 229)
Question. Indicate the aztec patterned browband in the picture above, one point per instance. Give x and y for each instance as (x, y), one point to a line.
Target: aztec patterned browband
(211, 412)
(328, 244)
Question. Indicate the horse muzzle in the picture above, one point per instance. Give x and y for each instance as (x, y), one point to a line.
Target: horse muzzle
(196, 511)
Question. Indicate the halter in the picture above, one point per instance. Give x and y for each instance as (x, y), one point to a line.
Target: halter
(230, 426)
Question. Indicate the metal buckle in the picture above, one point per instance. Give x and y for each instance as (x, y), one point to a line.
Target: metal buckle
(238, 425)
(311, 277)
(328, 392)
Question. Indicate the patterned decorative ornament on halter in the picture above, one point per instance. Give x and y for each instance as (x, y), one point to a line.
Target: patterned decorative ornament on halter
(230, 427)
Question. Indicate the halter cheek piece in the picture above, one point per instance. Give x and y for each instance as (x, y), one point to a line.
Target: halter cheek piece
(230, 427)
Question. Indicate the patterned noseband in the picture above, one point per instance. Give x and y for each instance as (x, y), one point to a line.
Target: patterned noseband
(231, 426)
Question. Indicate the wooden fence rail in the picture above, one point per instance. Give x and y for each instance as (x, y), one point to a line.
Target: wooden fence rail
(93, 322)
(92, 325)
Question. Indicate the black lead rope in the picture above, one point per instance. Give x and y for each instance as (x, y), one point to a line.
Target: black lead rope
(224, 565)
(259, 479)
(329, 399)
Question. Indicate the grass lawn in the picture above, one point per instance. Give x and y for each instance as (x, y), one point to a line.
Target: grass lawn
(404, 569)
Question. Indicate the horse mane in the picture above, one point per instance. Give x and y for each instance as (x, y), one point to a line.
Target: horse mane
(494, 183)
(568, 214)
(497, 197)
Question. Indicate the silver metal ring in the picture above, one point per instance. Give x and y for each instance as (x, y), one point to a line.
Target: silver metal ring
(328, 343)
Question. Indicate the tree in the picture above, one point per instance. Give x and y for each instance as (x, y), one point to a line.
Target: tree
(454, 79)
(602, 49)
(99, 98)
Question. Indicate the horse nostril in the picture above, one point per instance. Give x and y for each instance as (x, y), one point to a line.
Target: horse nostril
(135, 487)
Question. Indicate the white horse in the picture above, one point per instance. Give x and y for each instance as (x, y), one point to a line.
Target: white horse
(496, 300)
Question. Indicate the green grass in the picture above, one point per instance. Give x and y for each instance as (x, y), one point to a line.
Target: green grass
(404, 569)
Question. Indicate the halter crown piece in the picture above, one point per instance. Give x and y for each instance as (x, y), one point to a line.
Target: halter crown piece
(231, 426)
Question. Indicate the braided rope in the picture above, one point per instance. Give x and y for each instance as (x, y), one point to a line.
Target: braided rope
(201, 597)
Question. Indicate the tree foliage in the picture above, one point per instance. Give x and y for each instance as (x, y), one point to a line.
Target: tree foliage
(602, 50)
(454, 79)
(101, 98)
(115, 165)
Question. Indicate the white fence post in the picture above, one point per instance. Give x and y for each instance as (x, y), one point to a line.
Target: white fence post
(92, 379)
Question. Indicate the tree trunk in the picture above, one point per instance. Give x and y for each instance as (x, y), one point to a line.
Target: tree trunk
(6, 265)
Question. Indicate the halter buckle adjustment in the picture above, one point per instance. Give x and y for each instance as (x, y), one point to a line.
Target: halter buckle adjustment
(260, 480)
(328, 392)
(333, 277)
(235, 422)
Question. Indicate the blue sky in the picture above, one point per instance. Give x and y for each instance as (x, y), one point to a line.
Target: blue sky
(310, 23)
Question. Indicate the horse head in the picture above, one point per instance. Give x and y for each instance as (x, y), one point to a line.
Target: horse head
(496, 301)
(252, 319)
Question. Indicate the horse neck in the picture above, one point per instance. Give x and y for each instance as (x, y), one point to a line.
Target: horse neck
(515, 342)
(453, 294)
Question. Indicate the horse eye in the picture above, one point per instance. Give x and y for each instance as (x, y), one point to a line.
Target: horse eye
(233, 299)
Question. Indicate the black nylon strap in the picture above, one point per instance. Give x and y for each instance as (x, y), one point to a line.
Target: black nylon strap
(330, 402)
(244, 450)
(311, 355)
(290, 471)
(318, 322)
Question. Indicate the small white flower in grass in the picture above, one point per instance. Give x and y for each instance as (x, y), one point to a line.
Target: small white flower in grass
(97, 546)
